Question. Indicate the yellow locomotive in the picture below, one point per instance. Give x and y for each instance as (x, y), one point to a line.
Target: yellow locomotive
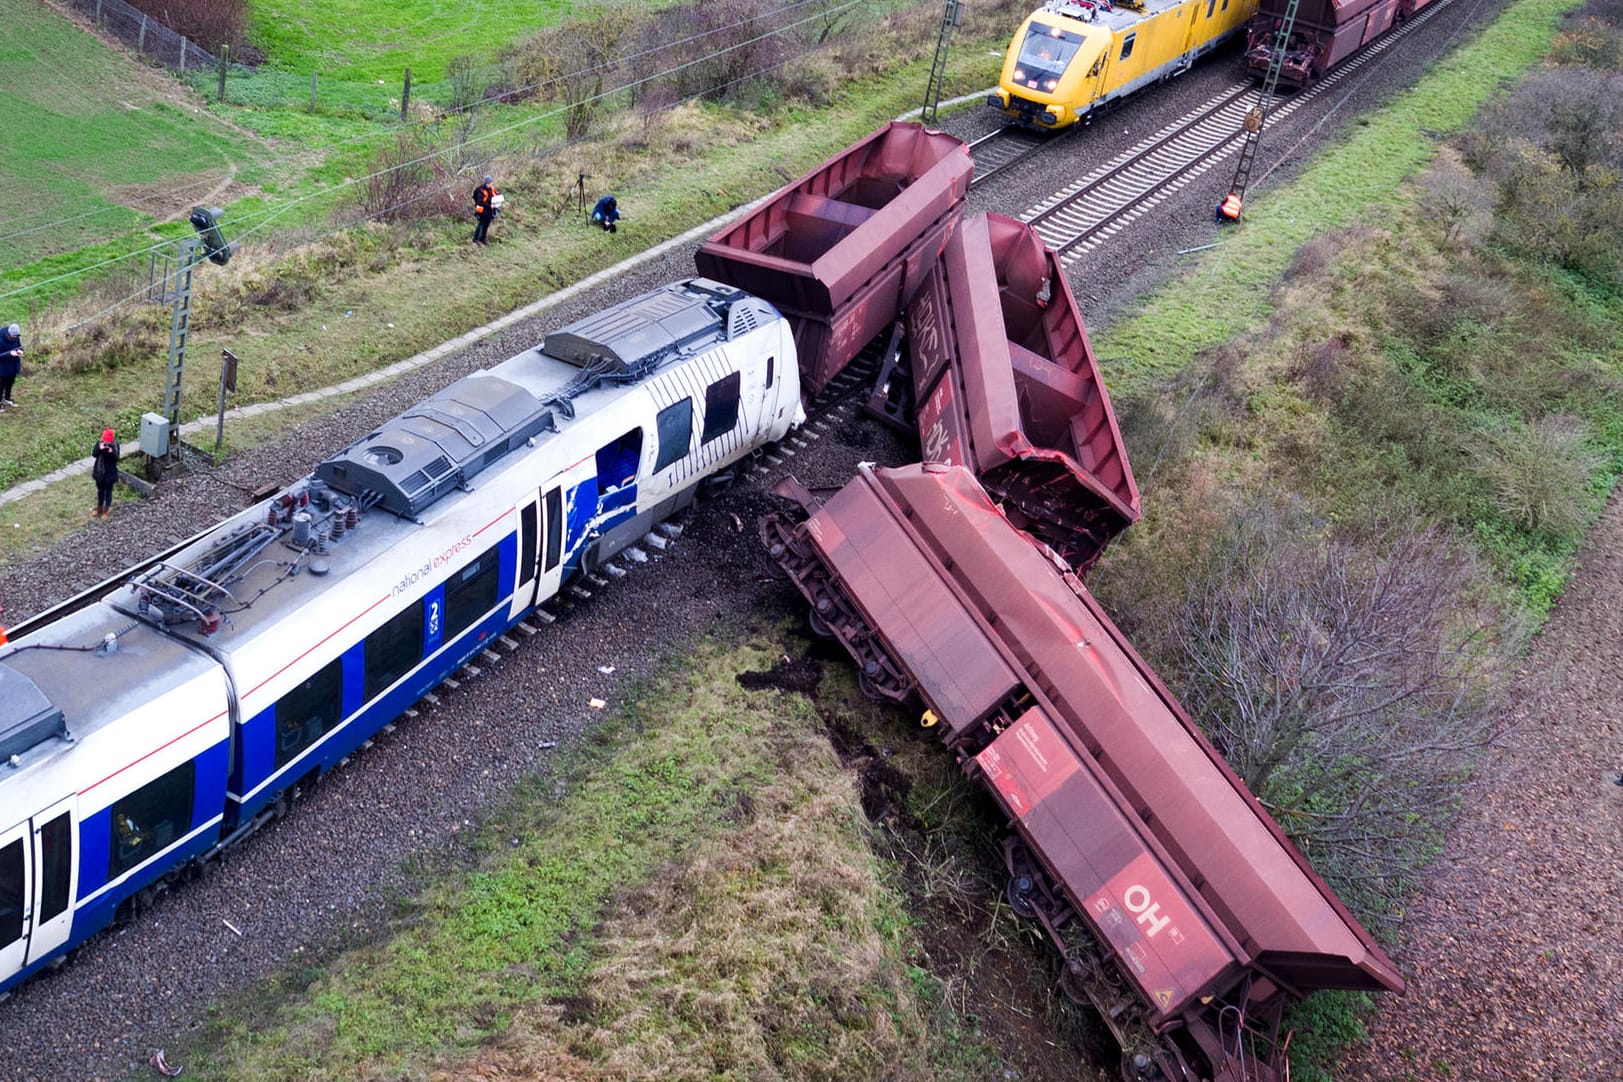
(1071, 57)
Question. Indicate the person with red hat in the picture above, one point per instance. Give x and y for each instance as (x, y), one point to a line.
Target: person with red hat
(104, 470)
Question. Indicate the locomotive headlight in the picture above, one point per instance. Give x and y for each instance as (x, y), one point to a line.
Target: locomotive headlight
(1019, 75)
(1050, 84)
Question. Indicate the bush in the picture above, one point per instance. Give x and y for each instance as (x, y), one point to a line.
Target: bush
(1540, 473)
(409, 180)
(209, 23)
(1352, 682)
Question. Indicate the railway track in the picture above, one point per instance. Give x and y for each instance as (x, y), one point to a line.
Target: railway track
(1003, 149)
(1083, 216)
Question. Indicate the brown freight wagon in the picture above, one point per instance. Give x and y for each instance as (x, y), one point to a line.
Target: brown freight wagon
(841, 250)
(1006, 384)
(1185, 915)
(1324, 34)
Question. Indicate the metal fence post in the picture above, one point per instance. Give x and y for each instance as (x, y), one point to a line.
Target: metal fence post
(141, 38)
(225, 54)
(183, 56)
(312, 91)
(98, 12)
(405, 95)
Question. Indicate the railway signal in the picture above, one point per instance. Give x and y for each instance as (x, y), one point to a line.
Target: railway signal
(176, 288)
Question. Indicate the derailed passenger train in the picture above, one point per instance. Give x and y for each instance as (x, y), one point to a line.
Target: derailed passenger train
(1071, 58)
(155, 727)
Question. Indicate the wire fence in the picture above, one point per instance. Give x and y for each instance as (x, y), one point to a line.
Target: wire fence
(145, 35)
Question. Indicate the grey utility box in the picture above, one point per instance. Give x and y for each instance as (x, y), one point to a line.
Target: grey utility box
(154, 435)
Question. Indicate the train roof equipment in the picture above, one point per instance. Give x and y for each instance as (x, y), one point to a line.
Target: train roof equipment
(1189, 889)
(842, 249)
(1007, 385)
(434, 449)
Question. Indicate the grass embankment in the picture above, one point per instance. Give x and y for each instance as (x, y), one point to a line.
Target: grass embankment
(93, 142)
(701, 902)
(1380, 286)
(312, 314)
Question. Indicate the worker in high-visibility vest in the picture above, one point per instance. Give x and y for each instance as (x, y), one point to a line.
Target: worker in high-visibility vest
(1229, 209)
(484, 208)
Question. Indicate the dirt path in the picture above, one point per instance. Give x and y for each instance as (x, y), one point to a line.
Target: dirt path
(1514, 951)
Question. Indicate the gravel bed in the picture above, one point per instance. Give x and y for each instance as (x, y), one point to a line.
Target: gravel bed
(327, 873)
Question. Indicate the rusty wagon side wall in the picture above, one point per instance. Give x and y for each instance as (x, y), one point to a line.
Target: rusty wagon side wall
(1007, 385)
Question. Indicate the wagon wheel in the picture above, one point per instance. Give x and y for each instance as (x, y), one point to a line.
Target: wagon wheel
(869, 685)
(818, 625)
(1018, 891)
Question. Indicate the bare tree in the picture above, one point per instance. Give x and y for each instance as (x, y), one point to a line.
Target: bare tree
(573, 63)
(463, 74)
(1352, 691)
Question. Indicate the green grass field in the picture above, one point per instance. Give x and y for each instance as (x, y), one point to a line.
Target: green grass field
(93, 141)
(349, 41)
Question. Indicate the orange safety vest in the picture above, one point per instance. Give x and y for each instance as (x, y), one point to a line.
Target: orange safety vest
(1230, 207)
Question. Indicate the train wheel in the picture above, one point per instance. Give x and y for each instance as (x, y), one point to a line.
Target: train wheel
(818, 625)
(1018, 891)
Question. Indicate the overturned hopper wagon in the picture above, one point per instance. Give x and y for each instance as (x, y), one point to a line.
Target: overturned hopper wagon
(1006, 385)
(841, 250)
(1185, 915)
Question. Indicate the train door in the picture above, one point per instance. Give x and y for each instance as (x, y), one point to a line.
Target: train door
(38, 873)
(540, 548)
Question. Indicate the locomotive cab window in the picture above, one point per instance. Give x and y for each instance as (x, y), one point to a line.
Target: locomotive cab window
(1046, 51)
(617, 462)
(1127, 45)
(675, 428)
(309, 712)
(720, 407)
(471, 592)
(151, 819)
(394, 649)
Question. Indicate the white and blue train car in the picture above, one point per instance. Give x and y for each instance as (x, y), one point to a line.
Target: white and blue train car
(168, 720)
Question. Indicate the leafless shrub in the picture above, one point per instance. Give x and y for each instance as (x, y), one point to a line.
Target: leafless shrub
(573, 63)
(1321, 367)
(1459, 202)
(209, 23)
(1593, 36)
(1352, 690)
(467, 91)
(1540, 474)
(409, 180)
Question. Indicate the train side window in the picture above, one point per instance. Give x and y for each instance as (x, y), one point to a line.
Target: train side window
(675, 427)
(770, 361)
(555, 527)
(1127, 45)
(309, 712)
(617, 462)
(154, 817)
(56, 867)
(526, 552)
(394, 649)
(471, 592)
(1211, 6)
(11, 893)
(720, 407)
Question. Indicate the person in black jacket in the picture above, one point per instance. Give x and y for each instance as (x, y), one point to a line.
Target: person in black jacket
(484, 207)
(11, 362)
(104, 471)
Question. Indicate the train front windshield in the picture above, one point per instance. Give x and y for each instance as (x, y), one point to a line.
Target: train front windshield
(1043, 56)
